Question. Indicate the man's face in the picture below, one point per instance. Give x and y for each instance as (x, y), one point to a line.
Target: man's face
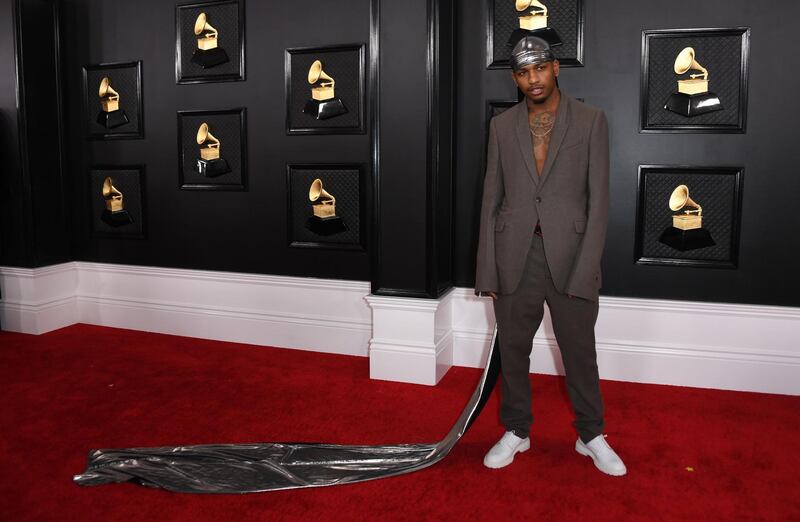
(537, 80)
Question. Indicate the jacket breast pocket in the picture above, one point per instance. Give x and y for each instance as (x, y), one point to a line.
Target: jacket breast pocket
(580, 226)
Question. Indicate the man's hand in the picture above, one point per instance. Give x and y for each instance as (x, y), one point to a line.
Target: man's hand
(492, 295)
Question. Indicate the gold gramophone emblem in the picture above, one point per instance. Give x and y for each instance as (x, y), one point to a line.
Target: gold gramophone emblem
(109, 98)
(206, 33)
(324, 203)
(209, 144)
(323, 103)
(324, 222)
(697, 83)
(692, 216)
(114, 214)
(210, 164)
(112, 196)
(322, 84)
(687, 232)
(207, 54)
(692, 97)
(111, 115)
(535, 17)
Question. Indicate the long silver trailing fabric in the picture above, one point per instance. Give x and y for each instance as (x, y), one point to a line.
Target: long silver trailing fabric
(269, 466)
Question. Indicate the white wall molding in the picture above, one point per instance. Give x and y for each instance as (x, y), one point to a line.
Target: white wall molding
(711, 345)
(38, 300)
(412, 338)
(312, 314)
(706, 345)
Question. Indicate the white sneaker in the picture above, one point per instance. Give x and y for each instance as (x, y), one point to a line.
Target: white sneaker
(605, 458)
(502, 453)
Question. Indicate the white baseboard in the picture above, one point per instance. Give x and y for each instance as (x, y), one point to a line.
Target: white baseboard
(412, 339)
(311, 314)
(38, 300)
(709, 345)
(705, 345)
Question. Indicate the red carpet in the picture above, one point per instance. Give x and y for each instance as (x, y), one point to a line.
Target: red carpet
(692, 454)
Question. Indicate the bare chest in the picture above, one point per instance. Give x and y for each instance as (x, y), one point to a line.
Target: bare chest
(541, 127)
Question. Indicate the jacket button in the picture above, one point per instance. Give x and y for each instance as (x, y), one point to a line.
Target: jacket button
(538, 199)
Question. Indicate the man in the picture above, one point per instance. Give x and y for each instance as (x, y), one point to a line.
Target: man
(543, 226)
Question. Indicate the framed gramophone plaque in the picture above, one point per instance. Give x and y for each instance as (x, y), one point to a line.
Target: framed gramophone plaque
(688, 216)
(212, 149)
(325, 206)
(325, 90)
(115, 200)
(209, 42)
(694, 80)
(560, 22)
(112, 94)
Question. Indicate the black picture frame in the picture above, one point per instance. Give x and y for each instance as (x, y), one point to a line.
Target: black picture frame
(497, 107)
(126, 79)
(346, 58)
(493, 108)
(186, 71)
(128, 179)
(501, 22)
(346, 182)
(227, 125)
(728, 76)
(718, 189)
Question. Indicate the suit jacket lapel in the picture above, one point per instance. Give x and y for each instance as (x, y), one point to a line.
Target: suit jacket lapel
(524, 139)
(559, 131)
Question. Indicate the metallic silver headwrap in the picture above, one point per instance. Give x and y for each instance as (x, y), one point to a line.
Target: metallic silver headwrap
(531, 49)
(270, 466)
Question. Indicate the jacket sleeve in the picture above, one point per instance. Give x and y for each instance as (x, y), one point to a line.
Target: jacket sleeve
(585, 278)
(486, 279)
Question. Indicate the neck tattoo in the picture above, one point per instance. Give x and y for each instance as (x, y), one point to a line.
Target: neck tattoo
(542, 124)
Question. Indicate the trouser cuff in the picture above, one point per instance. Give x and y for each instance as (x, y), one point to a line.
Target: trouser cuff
(522, 434)
(586, 437)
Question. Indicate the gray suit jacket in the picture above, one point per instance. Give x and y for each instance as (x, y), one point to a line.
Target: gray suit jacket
(569, 199)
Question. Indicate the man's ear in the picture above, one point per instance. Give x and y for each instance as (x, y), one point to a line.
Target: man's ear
(556, 67)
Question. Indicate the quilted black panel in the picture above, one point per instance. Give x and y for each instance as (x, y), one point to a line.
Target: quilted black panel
(344, 185)
(715, 192)
(345, 67)
(562, 15)
(124, 79)
(224, 17)
(227, 129)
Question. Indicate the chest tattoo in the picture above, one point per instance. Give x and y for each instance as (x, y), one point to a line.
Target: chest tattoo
(541, 125)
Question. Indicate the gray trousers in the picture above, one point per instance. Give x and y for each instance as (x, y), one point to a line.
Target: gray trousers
(518, 318)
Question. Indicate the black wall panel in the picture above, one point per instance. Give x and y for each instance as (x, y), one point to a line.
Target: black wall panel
(442, 143)
(12, 200)
(413, 245)
(769, 245)
(403, 148)
(32, 219)
(237, 231)
(421, 115)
